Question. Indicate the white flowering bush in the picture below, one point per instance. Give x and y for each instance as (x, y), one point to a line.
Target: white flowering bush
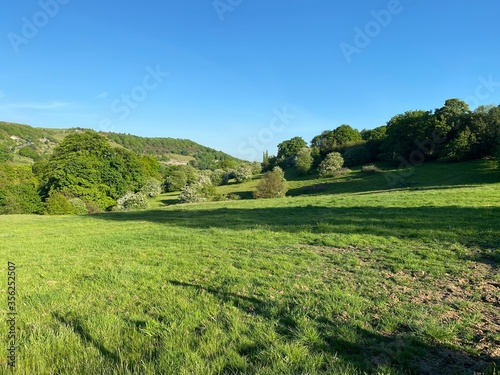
(243, 173)
(331, 164)
(200, 191)
(131, 201)
(151, 188)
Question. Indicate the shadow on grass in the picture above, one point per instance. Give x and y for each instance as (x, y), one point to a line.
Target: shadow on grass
(79, 330)
(364, 349)
(478, 227)
(434, 175)
(169, 202)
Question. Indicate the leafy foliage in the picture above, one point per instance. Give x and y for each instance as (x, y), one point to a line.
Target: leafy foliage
(291, 147)
(304, 161)
(18, 190)
(256, 167)
(131, 201)
(179, 176)
(200, 191)
(20, 198)
(85, 166)
(356, 155)
(403, 131)
(217, 177)
(5, 153)
(80, 206)
(30, 152)
(272, 185)
(333, 140)
(59, 204)
(243, 173)
(377, 134)
(151, 188)
(331, 164)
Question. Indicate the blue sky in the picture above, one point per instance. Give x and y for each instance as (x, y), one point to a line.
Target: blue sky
(239, 75)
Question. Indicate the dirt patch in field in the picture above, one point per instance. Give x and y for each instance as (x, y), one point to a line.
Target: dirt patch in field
(475, 291)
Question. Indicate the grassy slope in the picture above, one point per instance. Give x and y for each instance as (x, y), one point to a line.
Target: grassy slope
(378, 281)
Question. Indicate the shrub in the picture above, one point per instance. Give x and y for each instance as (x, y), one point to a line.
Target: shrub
(175, 181)
(190, 194)
(370, 169)
(332, 163)
(59, 204)
(20, 198)
(79, 206)
(29, 152)
(243, 173)
(178, 178)
(272, 185)
(5, 154)
(356, 156)
(131, 201)
(304, 161)
(151, 187)
(233, 197)
(201, 191)
(256, 168)
(217, 177)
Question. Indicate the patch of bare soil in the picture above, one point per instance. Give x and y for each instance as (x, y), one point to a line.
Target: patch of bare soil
(476, 290)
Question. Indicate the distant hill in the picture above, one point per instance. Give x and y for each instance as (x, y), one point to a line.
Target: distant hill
(24, 143)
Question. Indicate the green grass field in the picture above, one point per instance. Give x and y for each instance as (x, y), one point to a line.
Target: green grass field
(344, 276)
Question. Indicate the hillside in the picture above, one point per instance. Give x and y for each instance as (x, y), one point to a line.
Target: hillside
(380, 281)
(39, 142)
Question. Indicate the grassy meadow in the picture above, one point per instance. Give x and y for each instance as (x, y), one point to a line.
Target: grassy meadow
(343, 276)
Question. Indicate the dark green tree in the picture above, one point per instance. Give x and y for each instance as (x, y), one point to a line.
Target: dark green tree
(406, 131)
(85, 166)
(291, 147)
(345, 134)
(452, 122)
(357, 155)
(335, 140)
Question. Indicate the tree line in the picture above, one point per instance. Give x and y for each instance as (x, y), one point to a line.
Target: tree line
(452, 133)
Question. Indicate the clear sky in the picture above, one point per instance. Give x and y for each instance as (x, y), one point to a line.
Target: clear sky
(242, 75)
